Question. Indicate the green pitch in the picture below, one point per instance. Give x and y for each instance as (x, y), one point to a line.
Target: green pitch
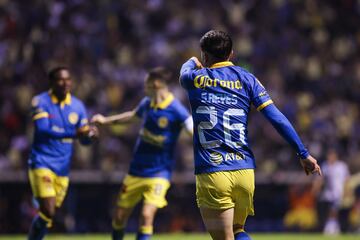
(270, 236)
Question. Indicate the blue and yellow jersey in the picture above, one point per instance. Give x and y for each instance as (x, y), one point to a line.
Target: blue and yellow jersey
(154, 150)
(220, 98)
(56, 124)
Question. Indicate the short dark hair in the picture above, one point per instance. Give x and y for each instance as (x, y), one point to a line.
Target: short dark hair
(52, 75)
(159, 73)
(217, 43)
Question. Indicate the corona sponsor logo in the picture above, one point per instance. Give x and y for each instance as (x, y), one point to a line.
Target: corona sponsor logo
(202, 81)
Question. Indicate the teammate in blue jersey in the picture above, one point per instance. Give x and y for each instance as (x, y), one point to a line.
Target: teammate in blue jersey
(163, 117)
(59, 118)
(221, 95)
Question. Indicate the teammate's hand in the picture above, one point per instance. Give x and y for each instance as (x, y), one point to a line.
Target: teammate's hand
(197, 62)
(310, 165)
(98, 119)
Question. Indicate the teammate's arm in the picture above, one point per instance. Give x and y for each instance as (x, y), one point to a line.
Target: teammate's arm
(126, 117)
(286, 130)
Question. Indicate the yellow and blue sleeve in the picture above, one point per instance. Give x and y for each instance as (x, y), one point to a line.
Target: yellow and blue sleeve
(286, 130)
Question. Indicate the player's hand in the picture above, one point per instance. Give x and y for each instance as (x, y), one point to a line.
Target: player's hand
(98, 119)
(310, 165)
(93, 132)
(197, 62)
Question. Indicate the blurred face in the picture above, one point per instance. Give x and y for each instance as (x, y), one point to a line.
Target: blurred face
(62, 84)
(151, 87)
(332, 156)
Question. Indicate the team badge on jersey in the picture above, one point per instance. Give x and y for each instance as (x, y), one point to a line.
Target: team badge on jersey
(216, 157)
(163, 122)
(73, 118)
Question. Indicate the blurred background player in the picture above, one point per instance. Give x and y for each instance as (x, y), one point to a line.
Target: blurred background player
(58, 117)
(163, 118)
(221, 95)
(331, 188)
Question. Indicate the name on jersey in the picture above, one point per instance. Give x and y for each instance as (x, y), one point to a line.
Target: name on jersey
(218, 98)
(202, 81)
(218, 158)
(152, 138)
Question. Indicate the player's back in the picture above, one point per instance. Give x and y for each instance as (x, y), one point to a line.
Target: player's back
(220, 97)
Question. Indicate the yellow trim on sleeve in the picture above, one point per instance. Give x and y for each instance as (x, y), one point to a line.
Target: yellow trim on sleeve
(265, 104)
(40, 115)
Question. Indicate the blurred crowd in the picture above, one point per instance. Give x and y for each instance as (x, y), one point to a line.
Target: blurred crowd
(305, 52)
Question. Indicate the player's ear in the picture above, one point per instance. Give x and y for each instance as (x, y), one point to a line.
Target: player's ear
(204, 58)
(231, 55)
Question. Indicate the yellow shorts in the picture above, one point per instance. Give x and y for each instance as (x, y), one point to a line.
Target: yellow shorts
(227, 189)
(152, 190)
(45, 183)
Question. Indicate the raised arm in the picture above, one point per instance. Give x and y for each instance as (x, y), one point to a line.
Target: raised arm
(188, 69)
(286, 130)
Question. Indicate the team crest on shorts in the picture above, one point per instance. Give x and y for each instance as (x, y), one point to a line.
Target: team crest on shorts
(73, 118)
(163, 122)
(216, 157)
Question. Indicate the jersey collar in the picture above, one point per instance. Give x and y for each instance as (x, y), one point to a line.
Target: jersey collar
(222, 64)
(55, 100)
(164, 104)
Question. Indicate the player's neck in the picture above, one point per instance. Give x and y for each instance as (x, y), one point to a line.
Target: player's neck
(161, 95)
(213, 61)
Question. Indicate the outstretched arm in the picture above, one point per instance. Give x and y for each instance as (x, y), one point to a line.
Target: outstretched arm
(125, 117)
(286, 130)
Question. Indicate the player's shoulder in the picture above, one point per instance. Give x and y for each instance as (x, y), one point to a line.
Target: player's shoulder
(246, 75)
(40, 99)
(176, 104)
(342, 164)
(145, 99)
(76, 101)
(178, 108)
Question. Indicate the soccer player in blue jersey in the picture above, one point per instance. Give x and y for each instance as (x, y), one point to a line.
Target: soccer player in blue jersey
(59, 118)
(221, 95)
(163, 117)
